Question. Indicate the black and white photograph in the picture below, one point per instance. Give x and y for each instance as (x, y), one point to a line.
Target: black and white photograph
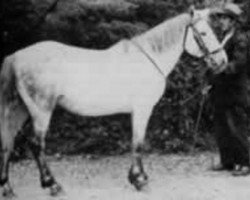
(125, 100)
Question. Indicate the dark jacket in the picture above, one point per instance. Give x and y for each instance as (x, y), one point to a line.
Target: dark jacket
(230, 87)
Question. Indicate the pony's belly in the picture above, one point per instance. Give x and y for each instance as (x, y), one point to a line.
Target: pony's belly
(97, 106)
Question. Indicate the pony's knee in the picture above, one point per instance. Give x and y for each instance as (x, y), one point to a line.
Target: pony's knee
(138, 147)
(138, 142)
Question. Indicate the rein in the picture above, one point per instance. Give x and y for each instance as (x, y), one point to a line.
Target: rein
(149, 57)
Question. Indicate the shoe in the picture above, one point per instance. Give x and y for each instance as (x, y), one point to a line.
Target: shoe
(242, 171)
(221, 167)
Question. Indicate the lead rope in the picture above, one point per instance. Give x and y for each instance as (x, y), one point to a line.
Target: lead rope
(204, 93)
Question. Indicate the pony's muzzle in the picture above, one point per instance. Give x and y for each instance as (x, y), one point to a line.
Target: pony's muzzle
(217, 62)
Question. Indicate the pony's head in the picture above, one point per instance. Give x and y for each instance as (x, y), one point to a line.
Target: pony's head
(200, 41)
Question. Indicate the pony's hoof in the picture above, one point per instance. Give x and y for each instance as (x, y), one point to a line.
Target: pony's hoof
(56, 190)
(138, 180)
(8, 193)
(141, 182)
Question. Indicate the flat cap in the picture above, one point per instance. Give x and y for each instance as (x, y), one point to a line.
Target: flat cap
(229, 9)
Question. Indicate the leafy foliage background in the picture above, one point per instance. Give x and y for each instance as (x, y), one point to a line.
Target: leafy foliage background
(98, 24)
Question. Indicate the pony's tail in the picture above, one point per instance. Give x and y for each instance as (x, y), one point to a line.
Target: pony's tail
(7, 82)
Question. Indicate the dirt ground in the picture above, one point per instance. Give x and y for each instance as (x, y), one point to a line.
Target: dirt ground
(172, 177)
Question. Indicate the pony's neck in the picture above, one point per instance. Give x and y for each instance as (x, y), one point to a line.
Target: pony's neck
(164, 43)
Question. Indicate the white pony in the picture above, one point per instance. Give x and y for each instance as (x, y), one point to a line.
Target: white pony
(129, 77)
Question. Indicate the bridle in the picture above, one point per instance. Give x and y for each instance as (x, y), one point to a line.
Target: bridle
(207, 54)
(199, 40)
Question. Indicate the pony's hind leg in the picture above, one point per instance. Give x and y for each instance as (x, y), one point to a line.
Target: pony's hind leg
(137, 175)
(40, 104)
(7, 141)
(36, 142)
(12, 119)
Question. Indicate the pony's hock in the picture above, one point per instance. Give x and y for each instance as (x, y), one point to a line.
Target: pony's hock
(129, 77)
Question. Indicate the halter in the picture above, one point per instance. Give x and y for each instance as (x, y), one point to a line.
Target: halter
(200, 42)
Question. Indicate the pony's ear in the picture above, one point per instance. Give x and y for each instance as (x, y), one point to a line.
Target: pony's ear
(191, 10)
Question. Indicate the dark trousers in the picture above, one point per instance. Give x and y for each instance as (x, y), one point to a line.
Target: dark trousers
(231, 135)
(230, 101)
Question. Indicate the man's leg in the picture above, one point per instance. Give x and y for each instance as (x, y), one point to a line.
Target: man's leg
(237, 122)
(224, 141)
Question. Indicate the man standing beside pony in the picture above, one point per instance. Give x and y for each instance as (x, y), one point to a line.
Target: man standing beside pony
(230, 93)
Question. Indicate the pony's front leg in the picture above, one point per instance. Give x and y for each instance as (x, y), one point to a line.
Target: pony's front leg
(137, 175)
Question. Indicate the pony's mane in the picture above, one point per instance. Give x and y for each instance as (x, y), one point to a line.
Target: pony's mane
(164, 35)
